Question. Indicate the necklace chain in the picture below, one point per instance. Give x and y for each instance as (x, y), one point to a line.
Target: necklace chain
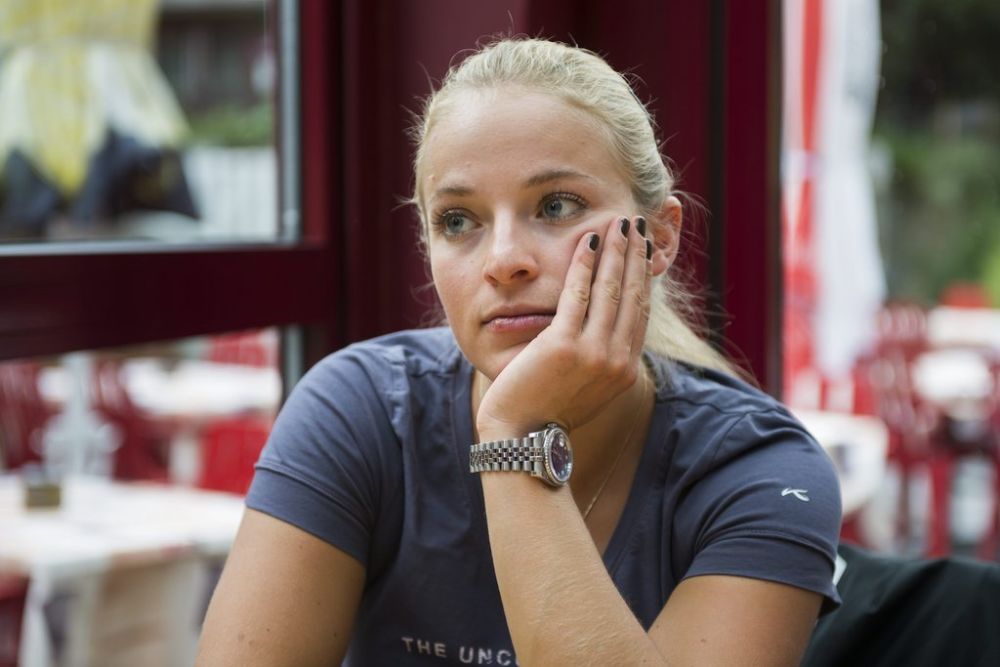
(621, 450)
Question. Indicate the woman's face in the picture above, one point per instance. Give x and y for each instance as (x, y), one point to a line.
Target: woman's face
(511, 180)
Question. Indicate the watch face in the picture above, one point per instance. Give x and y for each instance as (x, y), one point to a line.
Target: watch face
(559, 456)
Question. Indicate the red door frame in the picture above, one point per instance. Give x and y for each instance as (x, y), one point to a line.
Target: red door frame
(712, 71)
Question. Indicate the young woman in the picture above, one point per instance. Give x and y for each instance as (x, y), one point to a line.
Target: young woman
(563, 475)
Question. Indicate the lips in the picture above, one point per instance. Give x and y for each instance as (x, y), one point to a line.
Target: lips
(518, 319)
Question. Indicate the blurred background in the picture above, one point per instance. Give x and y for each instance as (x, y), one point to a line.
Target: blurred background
(200, 198)
(891, 240)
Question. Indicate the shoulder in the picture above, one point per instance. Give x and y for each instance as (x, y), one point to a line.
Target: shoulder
(419, 351)
(701, 388)
(735, 450)
(757, 495)
(719, 418)
(387, 363)
(362, 396)
(333, 464)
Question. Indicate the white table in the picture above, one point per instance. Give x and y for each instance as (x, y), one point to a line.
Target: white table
(976, 327)
(189, 389)
(185, 395)
(121, 571)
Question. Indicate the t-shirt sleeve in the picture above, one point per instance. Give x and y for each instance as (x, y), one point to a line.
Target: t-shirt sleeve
(767, 507)
(331, 463)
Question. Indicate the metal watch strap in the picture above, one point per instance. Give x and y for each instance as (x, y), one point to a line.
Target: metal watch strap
(515, 454)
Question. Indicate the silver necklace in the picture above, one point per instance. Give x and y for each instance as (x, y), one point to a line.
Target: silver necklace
(621, 451)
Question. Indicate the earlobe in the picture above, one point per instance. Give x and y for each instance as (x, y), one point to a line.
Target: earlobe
(667, 235)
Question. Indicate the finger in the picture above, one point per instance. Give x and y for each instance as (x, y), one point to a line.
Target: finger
(606, 293)
(571, 311)
(634, 285)
(642, 323)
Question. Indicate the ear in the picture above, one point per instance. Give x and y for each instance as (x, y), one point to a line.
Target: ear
(666, 230)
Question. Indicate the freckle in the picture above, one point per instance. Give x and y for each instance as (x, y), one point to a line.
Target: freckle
(704, 641)
(240, 637)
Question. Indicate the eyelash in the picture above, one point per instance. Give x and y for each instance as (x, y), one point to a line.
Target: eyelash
(575, 198)
(438, 220)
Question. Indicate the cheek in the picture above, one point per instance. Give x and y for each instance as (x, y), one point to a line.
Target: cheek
(451, 282)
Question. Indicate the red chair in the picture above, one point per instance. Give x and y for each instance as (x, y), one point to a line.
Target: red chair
(989, 548)
(23, 414)
(885, 387)
(229, 449)
(13, 594)
(247, 348)
(143, 452)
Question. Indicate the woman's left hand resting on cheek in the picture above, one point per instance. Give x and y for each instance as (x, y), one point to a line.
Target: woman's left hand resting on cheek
(590, 352)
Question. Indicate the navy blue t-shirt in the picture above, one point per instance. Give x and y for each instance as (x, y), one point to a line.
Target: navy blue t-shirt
(371, 454)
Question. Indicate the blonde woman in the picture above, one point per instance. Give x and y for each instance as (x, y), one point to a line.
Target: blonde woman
(565, 474)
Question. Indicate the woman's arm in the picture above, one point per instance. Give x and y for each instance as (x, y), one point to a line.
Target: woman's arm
(561, 606)
(285, 598)
(563, 609)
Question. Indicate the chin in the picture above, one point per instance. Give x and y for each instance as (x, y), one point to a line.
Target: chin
(491, 365)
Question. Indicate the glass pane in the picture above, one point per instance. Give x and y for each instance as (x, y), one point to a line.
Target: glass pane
(891, 222)
(192, 412)
(121, 481)
(139, 119)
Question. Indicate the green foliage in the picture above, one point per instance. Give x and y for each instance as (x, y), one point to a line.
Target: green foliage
(938, 50)
(232, 126)
(991, 275)
(941, 222)
(938, 114)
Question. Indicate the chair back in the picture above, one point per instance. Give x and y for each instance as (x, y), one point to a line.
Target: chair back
(230, 447)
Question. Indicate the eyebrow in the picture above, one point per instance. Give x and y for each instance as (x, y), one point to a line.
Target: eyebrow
(554, 175)
(534, 181)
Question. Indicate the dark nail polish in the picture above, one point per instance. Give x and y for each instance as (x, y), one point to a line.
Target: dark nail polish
(624, 227)
(593, 241)
(649, 249)
(640, 224)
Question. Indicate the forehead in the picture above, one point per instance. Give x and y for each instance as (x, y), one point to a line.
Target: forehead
(481, 132)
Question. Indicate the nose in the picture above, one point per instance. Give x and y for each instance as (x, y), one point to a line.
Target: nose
(511, 253)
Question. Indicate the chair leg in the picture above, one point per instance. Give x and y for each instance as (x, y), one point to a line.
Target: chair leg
(941, 470)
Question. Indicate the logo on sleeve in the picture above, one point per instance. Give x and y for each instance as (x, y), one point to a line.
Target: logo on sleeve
(798, 493)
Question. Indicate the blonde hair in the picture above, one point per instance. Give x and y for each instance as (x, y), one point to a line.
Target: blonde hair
(584, 80)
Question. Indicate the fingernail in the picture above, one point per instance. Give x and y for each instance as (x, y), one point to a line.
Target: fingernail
(649, 250)
(640, 224)
(624, 227)
(594, 239)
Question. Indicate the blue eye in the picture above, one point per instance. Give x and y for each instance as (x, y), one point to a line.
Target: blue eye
(561, 205)
(453, 223)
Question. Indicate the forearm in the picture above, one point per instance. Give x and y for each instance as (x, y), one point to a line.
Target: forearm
(561, 606)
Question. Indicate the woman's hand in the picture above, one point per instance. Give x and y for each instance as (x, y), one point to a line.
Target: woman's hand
(590, 352)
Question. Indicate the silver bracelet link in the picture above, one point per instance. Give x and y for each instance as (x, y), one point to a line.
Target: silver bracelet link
(517, 454)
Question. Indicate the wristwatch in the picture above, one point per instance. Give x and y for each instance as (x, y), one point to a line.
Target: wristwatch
(546, 454)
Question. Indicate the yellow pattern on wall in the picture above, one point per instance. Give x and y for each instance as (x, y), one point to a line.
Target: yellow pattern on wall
(70, 71)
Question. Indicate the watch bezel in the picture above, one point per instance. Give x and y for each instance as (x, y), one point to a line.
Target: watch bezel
(552, 431)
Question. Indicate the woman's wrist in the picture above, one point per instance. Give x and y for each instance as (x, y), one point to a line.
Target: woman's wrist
(495, 429)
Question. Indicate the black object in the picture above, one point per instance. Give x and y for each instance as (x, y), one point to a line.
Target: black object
(910, 612)
(124, 175)
(27, 200)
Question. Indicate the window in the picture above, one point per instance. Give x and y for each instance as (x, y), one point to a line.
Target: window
(891, 255)
(141, 120)
(125, 286)
(60, 296)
